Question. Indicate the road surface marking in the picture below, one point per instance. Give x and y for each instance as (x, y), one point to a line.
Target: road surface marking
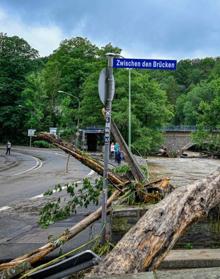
(37, 166)
(64, 155)
(4, 208)
(54, 191)
(91, 173)
(63, 187)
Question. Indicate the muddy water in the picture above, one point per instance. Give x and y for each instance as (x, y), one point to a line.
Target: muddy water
(181, 171)
(184, 171)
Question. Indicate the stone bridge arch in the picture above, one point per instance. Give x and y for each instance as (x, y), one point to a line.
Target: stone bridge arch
(179, 138)
(177, 141)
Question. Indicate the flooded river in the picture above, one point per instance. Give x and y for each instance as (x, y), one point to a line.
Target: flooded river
(181, 171)
(184, 171)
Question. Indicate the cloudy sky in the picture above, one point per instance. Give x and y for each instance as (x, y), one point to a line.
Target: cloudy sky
(174, 29)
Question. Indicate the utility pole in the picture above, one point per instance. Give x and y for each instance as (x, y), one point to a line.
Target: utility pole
(110, 87)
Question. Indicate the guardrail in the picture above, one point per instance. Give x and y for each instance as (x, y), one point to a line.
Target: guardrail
(185, 128)
(180, 128)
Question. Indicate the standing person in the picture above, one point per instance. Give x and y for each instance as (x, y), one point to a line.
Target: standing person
(112, 149)
(8, 148)
(116, 149)
(118, 157)
(117, 153)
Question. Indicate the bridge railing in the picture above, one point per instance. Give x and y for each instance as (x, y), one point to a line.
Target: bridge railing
(186, 128)
(180, 128)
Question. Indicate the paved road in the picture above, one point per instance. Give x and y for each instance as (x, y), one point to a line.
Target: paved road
(33, 171)
(24, 176)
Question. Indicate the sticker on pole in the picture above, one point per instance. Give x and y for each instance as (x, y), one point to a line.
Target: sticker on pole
(102, 86)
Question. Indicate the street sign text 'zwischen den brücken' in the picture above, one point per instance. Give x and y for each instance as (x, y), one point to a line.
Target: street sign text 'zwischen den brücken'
(151, 64)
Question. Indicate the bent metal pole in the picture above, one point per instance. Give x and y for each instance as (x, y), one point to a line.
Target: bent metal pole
(108, 106)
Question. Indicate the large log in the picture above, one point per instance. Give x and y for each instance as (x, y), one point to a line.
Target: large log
(149, 241)
(129, 157)
(82, 157)
(116, 181)
(36, 255)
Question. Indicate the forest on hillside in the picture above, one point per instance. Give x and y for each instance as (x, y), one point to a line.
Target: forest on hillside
(32, 94)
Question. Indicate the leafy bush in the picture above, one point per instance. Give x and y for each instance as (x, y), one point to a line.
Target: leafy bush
(42, 143)
(124, 169)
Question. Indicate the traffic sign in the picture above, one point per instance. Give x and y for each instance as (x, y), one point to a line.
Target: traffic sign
(53, 131)
(31, 132)
(147, 64)
(102, 85)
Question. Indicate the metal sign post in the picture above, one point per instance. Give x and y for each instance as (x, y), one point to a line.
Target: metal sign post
(31, 134)
(129, 109)
(106, 93)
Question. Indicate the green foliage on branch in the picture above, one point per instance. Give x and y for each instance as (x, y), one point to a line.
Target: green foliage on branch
(77, 195)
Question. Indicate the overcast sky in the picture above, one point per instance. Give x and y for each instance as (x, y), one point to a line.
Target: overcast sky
(174, 29)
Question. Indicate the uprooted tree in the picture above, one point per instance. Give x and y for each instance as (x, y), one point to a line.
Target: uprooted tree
(147, 243)
(20, 264)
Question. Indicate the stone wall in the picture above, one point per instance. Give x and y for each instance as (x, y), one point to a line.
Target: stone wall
(176, 141)
(204, 234)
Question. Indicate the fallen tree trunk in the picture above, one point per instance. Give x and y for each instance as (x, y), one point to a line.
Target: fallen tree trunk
(82, 157)
(149, 241)
(129, 157)
(39, 253)
(19, 264)
(116, 181)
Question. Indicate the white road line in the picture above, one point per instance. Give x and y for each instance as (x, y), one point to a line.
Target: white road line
(4, 208)
(54, 191)
(38, 165)
(63, 155)
(37, 197)
(63, 187)
(91, 173)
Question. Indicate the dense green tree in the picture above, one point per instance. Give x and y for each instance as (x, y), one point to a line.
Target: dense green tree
(201, 107)
(30, 97)
(207, 135)
(172, 89)
(75, 61)
(34, 103)
(150, 109)
(16, 61)
(66, 70)
(189, 107)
